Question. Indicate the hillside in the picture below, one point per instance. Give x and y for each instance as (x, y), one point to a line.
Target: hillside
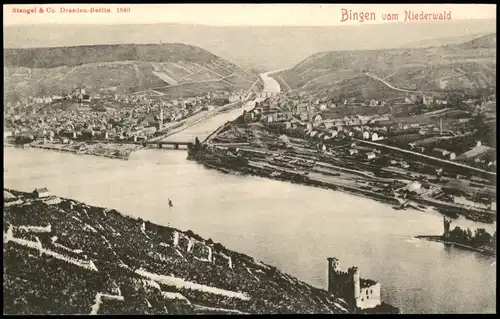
(488, 41)
(260, 47)
(120, 68)
(468, 66)
(76, 55)
(62, 256)
(435, 42)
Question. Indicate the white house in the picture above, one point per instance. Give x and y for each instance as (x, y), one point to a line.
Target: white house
(440, 152)
(414, 186)
(375, 137)
(493, 206)
(328, 125)
(370, 155)
(41, 192)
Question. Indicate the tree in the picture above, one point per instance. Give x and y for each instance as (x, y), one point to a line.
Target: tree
(482, 237)
(469, 234)
(478, 121)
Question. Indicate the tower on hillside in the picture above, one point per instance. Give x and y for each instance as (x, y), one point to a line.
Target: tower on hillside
(333, 269)
(359, 293)
(355, 277)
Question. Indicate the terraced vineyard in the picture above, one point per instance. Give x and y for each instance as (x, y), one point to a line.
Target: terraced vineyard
(62, 256)
(120, 68)
(466, 66)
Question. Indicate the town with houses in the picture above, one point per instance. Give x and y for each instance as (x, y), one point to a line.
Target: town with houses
(421, 124)
(376, 149)
(67, 122)
(418, 155)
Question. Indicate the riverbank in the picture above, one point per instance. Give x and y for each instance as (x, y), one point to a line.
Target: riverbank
(327, 172)
(266, 216)
(298, 178)
(120, 151)
(111, 263)
(265, 151)
(440, 239)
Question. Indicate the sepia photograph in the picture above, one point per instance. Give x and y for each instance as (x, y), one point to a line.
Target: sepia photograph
(177, 159)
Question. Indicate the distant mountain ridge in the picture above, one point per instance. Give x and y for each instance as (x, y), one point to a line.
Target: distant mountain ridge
(488, 41)
(259, 47)
(432, 42)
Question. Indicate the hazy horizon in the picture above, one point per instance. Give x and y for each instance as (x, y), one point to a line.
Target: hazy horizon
(260, 47)
(275, 14)
(241, 25)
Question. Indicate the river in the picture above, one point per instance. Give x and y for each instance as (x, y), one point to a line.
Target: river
(270, 84)
(290, 226)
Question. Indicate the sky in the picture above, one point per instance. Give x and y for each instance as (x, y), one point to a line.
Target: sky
(233, 14)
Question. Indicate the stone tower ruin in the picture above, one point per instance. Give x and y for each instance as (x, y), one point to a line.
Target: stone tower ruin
(358, 292)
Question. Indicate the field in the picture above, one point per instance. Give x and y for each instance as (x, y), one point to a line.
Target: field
(359, 87)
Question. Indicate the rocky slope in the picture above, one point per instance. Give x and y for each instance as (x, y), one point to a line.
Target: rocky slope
(62, 256)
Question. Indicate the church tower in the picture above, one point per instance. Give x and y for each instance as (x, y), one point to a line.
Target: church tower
(161, 120)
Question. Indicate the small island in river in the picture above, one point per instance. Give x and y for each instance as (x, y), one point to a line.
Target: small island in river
(479, 241)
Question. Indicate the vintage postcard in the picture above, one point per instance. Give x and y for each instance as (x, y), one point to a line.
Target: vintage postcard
(249, 159)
